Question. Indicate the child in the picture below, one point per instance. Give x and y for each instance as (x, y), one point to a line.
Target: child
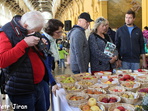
(62, 54)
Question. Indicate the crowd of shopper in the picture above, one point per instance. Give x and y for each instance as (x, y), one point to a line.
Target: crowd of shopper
(28, 68)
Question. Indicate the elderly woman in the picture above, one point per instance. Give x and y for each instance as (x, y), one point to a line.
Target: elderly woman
(99, 61)
(52, 31)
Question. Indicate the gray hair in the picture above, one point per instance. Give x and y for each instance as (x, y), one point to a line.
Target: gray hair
(98, 22)
(33, 19)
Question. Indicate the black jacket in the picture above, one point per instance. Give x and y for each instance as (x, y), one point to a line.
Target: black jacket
(129, 46)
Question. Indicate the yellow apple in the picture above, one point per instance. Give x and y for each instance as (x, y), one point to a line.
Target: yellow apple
(116, 110)
(95, 108)
(92, 102)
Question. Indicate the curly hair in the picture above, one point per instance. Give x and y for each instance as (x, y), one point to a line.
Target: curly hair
(52, 26)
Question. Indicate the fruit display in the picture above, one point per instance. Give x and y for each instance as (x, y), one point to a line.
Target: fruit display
(108, 99)
(116, 89)
(73, 88)
(75, 99)
(68, 80)
(121, 107)
(129, 97)
(102, 73)
(86, 84)
(123, 71)
(99, 86)
(92, 105)
(110, 81)
(142, 91)
(126, 77)
(94, 92)
(131, 86)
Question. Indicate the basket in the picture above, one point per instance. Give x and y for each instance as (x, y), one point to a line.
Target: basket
(61, 77)
(94, 93)
(78, 77)
(66, 79)
(98, 104)
(128, 107)
(76, 103)
(86, 84)
(141, 94)
(128, 100)
(114, 83)
(70, 88)
(134, 88)
(116, 90)
(102, 73)
(98, 86)
(108, 96)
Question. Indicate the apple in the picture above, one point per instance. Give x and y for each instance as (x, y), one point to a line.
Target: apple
(126, 76)
(86, 108)
(121, 108)
(111, 79)
(105, 100)
(95, 108)
(116, 110)
(92, 101)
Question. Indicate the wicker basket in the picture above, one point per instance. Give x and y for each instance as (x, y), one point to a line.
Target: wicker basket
(76, 103)
(94, 92)
(70, 88)
(128, 100)
(98, 104)
(141, 94)
(102, 73)
(98, 86)
(115, 89)
(78, 77)
(134, 89)
(61, 77)
(86, 84)
(108, 96)
(128, 107)
(115, 83)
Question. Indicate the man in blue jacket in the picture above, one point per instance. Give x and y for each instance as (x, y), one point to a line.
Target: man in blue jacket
(130, 44)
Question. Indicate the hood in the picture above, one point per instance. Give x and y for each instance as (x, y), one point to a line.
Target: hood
(74, 27)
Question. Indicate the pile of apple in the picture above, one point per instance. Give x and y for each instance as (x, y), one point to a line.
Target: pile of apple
(89, 77)
(130, 96)
(120, 108)
(91, 105)
(89, 91)
(109, 81)
(126, 77)
(143, 90)
(76, 98)
(129, 84)
(109, 100)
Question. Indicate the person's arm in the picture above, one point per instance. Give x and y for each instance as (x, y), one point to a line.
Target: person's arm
(118, 43)
(65, 52)
(94, 49)
(78, 41)
(142, 51)
(9, 54)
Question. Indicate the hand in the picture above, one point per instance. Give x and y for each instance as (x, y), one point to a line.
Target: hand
(31, 40)
(54, 88)
(118, 63)
(113, 59)
(144, 65)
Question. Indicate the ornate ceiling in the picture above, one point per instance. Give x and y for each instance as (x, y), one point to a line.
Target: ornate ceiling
(22, 6)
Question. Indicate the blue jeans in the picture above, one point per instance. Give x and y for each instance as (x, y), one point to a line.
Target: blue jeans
(30, 102)
(62, 61)
(128, 65)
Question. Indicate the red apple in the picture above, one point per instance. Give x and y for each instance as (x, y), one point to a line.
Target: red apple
(126, 76)
(121, 108)
(111, 79)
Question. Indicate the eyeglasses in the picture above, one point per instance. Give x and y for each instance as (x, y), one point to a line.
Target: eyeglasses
(59, 32)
